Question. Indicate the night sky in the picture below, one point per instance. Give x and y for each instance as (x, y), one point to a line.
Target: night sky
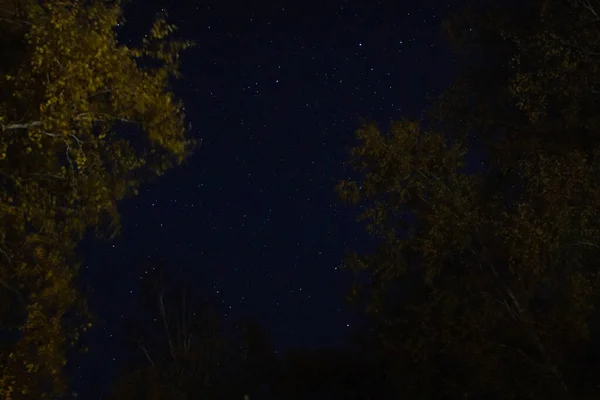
(275, 90)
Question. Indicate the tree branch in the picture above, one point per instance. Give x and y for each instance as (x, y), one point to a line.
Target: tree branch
(141, 345)
(5, 284)
(21, 126)
(523, 318)
(54, 135)
(163, 313)
(588, 6)
(16, 21)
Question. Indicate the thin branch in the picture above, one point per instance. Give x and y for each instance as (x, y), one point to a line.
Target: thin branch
(423, 175)
(521, 352)
(16, 21)
(579, 47)
(161, 305)
(588, 6)
(79, 141)
(42, 176)
(68, 149)
(94, 116)
(147, 355)
(524, 319)
(491, 296)
(589, 244)
(5, 284)
(21, 126)
(7, 256)
(184, 327)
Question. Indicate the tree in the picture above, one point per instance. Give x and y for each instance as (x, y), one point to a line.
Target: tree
(485, 279)
(84, 121)
(181, 344)
(186, 349)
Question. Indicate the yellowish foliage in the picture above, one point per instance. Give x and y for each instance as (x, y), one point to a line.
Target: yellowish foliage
(68, 95)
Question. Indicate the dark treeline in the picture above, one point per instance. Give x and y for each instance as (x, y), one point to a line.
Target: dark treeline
(182, 348)
(484, 281)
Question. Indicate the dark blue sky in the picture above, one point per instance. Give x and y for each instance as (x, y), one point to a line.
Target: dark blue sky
(275, 89)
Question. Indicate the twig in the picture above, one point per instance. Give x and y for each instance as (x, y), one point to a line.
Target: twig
(16, 21)
(588, 6)
(5, 284)
(165, 323)
(147, 355)
(79, 141)
(67, 150)
(523, 318)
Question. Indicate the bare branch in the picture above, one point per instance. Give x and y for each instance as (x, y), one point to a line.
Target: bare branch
(7, 256)
(42, 176)
(21, 126)
(5, 284)
(163, 313)
(67, 150)
(147, 355)
(589, 244)
(578, 47)
(16, 21)
(79, 141)
(588, 6)
(523, 318)
(521, 352)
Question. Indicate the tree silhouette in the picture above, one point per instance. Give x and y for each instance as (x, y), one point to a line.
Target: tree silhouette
(180, 342)
(485, 280)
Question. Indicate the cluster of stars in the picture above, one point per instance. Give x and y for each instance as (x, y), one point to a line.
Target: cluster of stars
(277, 95)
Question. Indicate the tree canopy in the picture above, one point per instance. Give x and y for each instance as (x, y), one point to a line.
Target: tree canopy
(84, 120)
(485, 278)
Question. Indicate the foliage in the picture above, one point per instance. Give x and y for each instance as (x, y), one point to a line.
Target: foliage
(83, 121)
(485, 277)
